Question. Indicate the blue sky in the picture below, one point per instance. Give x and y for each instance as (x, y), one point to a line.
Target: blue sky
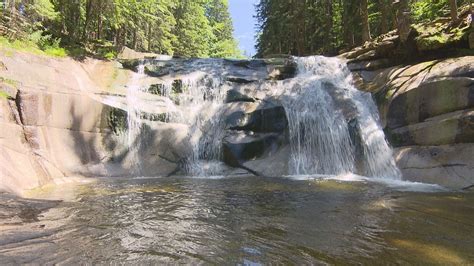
(242, 12)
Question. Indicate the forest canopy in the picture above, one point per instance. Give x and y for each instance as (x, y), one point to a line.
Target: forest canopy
(191, 28)
(306, 27)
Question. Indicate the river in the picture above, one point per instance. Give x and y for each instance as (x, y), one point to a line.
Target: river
(239, 220)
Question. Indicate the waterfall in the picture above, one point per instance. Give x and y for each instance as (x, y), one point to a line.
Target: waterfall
(196, 99)
(333, 127)
(134, 90)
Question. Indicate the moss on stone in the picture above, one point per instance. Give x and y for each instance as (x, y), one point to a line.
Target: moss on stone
(439, 35)
(117, 120)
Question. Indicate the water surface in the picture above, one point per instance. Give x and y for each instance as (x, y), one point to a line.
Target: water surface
(244, 220)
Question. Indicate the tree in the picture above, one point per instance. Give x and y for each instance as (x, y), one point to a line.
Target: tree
(223, 44)
(364, 13)
(403, 19)
(192, 30)
(454, 10)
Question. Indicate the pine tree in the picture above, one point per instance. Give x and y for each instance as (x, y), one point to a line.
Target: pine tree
(223, 44)
(193, 32)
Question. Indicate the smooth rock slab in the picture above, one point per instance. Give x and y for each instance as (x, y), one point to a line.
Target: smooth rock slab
(448, 165)
(244, 146)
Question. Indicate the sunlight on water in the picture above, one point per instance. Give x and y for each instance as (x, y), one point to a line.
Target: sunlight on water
(329, 118)
(334, 128)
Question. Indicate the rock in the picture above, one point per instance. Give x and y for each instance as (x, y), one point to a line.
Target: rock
(451, 128)
(237, 96)
(370, 55)
(356, 52)
(384, 49)
(157, 71)
(243, 146)
(48, 109)
(281, 72)
(130, 64)
(127, 53)
(3, 67)
(431, 99)
(251, 64)
(369, 65)
(471, 40)
(241, 79)
(430, 85)
(448, 165)
(9, 90)
(265, 119)
(272, 164)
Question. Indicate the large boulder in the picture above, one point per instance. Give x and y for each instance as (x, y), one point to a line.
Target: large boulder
(456, 127)
(448, 165)
(431, 99)
(239, 147)
(268, 118)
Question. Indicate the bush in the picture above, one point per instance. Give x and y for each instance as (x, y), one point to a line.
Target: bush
(48, 44)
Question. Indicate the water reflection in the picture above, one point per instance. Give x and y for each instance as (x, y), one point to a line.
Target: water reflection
(256, 220)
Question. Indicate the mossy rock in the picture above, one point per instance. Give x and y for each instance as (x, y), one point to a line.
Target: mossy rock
(130, 64)
(117, 120)
(437, 36)
(156, 71)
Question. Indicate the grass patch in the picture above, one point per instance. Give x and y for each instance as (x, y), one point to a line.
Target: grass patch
(11, 82)
(30, 47)
(4, 95)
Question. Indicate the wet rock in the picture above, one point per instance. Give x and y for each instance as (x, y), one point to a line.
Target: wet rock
(431, 99)
(238, 96)
(266, 119)
(251, 64)
(243, 146)
(448, 165)
(130, 64)
(157, 71)
(286, 70)
(451, 128)
(369, 65)
(241, 79)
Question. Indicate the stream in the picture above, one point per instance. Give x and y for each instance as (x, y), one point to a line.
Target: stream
(239, 220)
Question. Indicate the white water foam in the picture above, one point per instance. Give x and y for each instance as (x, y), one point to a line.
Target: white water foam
(334, 128)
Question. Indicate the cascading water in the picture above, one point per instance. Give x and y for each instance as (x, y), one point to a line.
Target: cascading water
(333, 127)
(197, 99)
(134, 117)
(326, 113)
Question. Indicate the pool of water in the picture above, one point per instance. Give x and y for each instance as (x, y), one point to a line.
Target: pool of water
(242, 220)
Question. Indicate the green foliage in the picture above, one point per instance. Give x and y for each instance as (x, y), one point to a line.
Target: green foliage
(10, 82)
(327, 26)
(44, 9)
(429, 10)
(189, 28)
(193, 30)
(34, 45)
(4, 95)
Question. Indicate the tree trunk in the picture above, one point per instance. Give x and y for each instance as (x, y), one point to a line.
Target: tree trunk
(384, 17)
(454, 10)
(471, 9)
(149, 36)
(88, 18)
(364, 13)
(403, 20)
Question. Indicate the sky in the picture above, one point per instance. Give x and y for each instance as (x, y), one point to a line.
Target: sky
(242, 12)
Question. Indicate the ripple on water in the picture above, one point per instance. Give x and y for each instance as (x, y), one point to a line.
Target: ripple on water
(249, 220)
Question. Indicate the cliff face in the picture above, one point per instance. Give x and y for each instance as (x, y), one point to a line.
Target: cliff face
(55, 122)
(425, 93)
